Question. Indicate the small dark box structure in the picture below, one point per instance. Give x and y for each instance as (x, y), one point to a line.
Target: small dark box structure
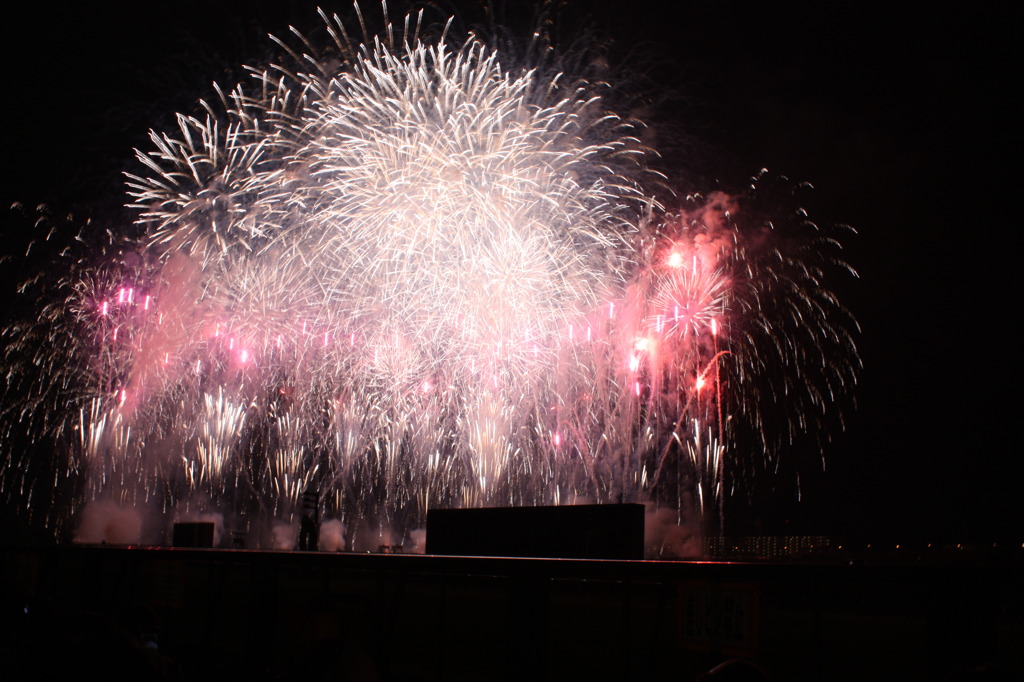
(591, 531)
(197, 534)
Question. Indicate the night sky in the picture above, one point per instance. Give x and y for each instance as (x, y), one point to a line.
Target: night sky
(906, 123)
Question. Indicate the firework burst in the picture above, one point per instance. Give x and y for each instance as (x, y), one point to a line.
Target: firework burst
(409, 275)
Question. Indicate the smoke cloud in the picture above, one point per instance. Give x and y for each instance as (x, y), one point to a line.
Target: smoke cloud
(417, 543)
(104, 521)
(666, 537)
(284, 536)
(332, 536)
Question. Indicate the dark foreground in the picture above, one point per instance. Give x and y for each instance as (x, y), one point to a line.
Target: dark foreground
(219, 614)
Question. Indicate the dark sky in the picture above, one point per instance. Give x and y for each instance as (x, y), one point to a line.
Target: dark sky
(906, 123)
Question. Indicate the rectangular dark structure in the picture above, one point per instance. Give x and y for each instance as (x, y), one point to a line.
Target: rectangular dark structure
(592, 531)
(197, 534)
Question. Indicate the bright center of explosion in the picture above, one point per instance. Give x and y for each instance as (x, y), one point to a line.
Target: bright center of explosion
(455, 212)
